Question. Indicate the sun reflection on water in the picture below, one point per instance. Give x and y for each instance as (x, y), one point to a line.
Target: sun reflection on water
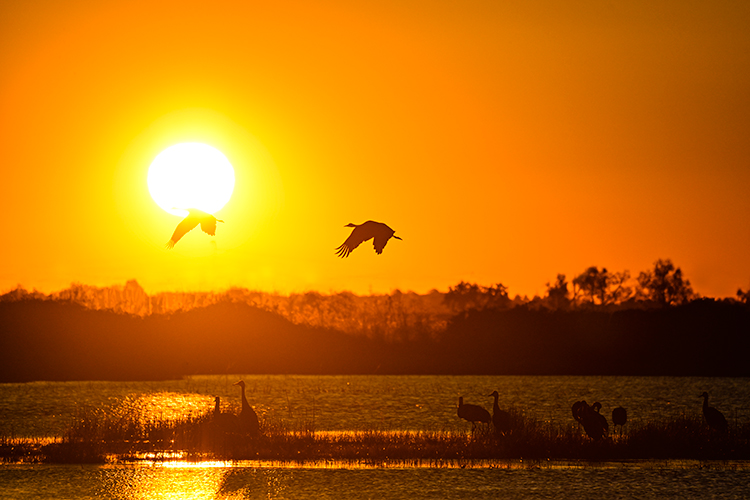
(166, 406)
(185, 481)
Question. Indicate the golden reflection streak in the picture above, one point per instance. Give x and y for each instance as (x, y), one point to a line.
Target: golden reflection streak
(169, 480)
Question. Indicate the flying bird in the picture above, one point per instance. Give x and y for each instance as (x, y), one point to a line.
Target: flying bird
(195, 217)
(363, 232)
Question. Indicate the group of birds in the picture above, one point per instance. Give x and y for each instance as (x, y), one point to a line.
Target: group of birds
(228, 423)
(377, 231)
(500, 419)
(594, 423)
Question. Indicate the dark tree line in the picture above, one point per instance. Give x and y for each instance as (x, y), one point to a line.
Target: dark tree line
(400, 315)
(53, 340)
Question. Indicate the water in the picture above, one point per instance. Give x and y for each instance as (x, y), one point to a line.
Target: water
(340, 403)
(216, 481)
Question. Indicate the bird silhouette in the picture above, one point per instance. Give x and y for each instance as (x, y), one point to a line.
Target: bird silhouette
(619, 417)
(248, 418)
(221, 429)
(363, 232)
(500, 418)
(579, 409)
(714, 418)
(594, 423)
(194, 217)
(473, 413)
(224, 422)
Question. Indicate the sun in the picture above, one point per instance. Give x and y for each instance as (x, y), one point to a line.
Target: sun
(191, 175)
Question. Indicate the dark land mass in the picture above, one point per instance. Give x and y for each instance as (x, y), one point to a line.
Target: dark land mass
(60, 340)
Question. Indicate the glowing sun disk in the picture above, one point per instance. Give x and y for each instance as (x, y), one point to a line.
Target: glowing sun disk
(191, 175)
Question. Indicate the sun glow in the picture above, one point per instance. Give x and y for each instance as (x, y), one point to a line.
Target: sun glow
(191, 175)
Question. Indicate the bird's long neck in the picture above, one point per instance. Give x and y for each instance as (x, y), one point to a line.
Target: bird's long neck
(460, 402)
(705, 402)
(217, 407)
(245, 404)
(496, 407)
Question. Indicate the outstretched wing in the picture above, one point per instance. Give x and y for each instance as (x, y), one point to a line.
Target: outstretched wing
(383, 233)
(208, 225)
(379, 243)
(183, 227)
(359, 234)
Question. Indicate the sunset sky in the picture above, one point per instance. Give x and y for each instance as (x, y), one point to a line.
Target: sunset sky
(504, 141)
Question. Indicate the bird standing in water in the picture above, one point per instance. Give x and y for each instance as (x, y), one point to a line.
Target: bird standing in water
(194, 217)
(594, 423)
(473, 413)
(248, 418)
(619, 417)
(714, 418)
(363, 232)
(500, 418)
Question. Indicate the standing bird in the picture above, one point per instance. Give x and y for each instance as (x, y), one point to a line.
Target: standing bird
(194, 217)
(579, 409)
(248, 418)
(221, 429)
(714, 418)
(619, 417)
(224, 422)
(363, 232)
(500, 418)
(594, 423)
(473, 413)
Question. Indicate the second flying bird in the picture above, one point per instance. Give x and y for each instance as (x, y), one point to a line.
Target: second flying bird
(363, 232)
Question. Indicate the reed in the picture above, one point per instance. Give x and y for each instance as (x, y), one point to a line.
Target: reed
(96, 436)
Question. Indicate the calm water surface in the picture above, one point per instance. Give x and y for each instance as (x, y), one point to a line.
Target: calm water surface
(341, 403)
(212, 481)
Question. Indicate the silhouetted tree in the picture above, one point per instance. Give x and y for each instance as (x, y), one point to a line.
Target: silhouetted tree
(743, 297)
(592, 283)
(665, 284)
(602, 286)
(497, 296)
(617, 289)
(557, 293)
(465, 296)
(20, 293)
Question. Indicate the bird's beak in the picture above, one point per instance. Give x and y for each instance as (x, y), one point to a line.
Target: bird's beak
(396, 237)
(236, 383)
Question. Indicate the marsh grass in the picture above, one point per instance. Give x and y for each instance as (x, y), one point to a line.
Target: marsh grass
(96, 436)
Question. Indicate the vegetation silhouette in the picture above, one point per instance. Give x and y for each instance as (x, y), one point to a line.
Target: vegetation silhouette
(470, 329)
(379, 232)
(713, 417)
(194, 217)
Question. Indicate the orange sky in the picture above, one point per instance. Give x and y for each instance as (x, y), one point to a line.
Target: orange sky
(504, 141)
